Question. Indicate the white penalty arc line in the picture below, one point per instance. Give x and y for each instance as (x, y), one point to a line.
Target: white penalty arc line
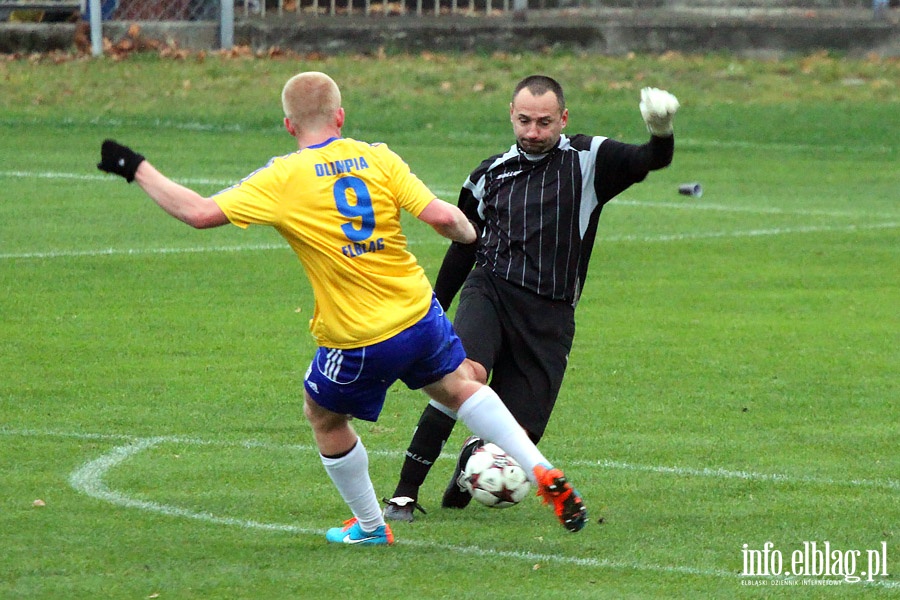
(88, 479)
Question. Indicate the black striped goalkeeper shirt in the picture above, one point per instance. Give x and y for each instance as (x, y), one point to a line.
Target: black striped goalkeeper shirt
(539, 213)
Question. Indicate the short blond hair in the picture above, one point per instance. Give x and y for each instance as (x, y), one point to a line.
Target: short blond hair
(310, 99)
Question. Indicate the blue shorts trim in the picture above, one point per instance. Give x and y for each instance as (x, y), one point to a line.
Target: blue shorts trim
(355, 381)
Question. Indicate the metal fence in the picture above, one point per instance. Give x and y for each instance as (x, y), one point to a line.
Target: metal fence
(210, 10)
(198, 10)
(281, 8)
(225, 12)
(214, 10)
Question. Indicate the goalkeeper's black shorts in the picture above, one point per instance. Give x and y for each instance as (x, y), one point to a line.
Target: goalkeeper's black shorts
(522, 339)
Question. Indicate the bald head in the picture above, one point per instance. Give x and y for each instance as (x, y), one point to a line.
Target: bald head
(311, 101)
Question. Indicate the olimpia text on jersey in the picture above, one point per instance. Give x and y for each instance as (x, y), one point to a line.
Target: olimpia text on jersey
(339, 167)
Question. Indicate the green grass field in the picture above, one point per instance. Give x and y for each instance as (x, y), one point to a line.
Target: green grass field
(735, 377)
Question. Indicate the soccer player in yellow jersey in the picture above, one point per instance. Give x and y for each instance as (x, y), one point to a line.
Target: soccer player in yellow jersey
(337, 203)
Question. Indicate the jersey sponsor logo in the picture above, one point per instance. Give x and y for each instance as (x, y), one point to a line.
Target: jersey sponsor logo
(340, 167)
(358, 248)
(508, 174)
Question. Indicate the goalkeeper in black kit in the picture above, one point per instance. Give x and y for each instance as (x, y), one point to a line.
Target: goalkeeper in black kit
(537, 206)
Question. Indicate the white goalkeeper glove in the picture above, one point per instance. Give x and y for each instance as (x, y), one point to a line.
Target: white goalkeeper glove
(658, 109)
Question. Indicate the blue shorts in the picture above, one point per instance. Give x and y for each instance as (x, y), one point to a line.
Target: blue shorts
(355, 381)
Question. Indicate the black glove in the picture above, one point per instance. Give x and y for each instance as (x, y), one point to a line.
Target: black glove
(119, 160)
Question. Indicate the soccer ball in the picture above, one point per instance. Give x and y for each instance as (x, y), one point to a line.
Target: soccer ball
(494, 478)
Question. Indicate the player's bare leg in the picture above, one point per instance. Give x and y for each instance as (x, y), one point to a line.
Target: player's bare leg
(347, 463)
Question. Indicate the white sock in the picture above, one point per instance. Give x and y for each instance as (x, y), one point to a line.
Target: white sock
(350, 474)
(488, 418)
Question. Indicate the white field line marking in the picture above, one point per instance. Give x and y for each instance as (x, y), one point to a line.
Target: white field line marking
(750, 233)
(710, 472)
(792, 147)
(50, 254)
(661, 238)
(719, 473)
(88, 479)
(760, 210)
(102, 177)
(142, 251)
(447, 193)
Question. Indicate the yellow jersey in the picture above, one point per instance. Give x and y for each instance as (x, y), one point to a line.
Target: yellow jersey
(338, 206)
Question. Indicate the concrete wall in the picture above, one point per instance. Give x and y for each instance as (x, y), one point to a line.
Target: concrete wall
(649, 32)
(612, 32)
